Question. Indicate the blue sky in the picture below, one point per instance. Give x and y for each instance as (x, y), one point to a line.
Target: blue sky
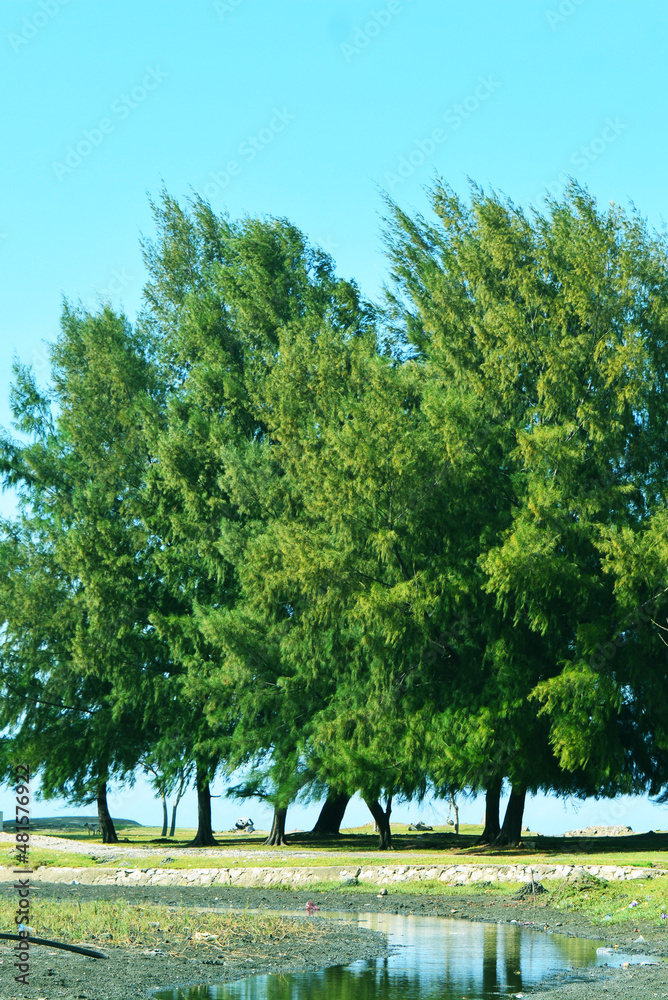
(307, 109)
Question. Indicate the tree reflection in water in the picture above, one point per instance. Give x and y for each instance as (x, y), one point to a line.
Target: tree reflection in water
(430, 958)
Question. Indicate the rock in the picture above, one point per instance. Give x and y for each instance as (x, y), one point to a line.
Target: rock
(600, 831)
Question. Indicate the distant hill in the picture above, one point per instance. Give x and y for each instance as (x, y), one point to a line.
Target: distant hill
(66, 822)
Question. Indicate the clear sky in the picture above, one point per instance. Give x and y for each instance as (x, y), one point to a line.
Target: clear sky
(307, 109)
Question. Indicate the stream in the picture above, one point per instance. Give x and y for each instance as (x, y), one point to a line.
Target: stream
(429, 958)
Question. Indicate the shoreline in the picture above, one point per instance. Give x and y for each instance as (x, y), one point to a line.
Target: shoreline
(133, 972)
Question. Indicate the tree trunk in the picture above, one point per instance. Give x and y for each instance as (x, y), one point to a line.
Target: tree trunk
(179, 796)
(277, 836)
(511, 831)
(492, 822)
(164, 817)
(382, 819)
(329, 821)
(455, 809)
(107, 828)
(204, 837)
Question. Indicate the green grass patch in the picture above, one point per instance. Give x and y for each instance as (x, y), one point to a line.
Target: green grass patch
(360, 847)
(43, 857)
(152, 926)
(613, 902)
(423, 887)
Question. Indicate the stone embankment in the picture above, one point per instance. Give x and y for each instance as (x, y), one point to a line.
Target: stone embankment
(601, 831)
(382, 875)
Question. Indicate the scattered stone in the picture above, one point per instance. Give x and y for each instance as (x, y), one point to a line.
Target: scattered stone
(600, 831)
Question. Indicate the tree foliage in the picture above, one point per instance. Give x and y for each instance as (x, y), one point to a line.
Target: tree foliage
(275, 531)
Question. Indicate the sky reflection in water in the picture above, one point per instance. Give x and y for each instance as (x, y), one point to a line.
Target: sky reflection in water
(432, 957)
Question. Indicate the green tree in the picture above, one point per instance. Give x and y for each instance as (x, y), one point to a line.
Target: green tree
(543, 341)
(221, 298)
(346, 579)
(86, 668)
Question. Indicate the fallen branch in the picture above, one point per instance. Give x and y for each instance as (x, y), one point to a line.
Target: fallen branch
(55, 944)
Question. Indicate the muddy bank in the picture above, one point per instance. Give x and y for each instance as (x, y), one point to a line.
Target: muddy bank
(136, 973)
(130, 973)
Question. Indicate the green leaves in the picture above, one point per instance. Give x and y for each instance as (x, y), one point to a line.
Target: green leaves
(330, 544)
(545, 335)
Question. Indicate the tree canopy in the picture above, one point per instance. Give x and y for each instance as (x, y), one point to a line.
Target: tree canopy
(417, 547)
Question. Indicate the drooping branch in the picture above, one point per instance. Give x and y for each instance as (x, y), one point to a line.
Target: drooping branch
(77, 949)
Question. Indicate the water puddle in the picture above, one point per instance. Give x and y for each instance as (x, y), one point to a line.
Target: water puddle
(430, 957)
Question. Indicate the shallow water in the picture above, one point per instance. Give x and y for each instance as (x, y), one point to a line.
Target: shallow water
(430, 957)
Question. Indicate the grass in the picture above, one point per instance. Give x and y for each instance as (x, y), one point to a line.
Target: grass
(150, 926)
(603, 903)
(359, 846)
(607, 903)
(41, 857)
(423, 887)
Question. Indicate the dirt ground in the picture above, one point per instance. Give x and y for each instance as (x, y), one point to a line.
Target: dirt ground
(131, 973)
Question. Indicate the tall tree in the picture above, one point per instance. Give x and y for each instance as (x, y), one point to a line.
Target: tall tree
(539, 334)
(222, 297)
(88, 661)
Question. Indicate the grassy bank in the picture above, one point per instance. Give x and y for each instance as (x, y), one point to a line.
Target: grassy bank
(122, 924)
(644, 850)
(148, 925)
(602, 903)
(143, 847)
(43, 857)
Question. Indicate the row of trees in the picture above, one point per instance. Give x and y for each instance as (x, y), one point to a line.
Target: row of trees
(272, 529)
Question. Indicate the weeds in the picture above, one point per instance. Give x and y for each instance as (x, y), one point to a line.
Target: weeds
(613, 902)
(123, 924)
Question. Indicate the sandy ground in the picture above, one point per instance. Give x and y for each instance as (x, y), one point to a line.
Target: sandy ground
(135, 974)
(112, 852)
